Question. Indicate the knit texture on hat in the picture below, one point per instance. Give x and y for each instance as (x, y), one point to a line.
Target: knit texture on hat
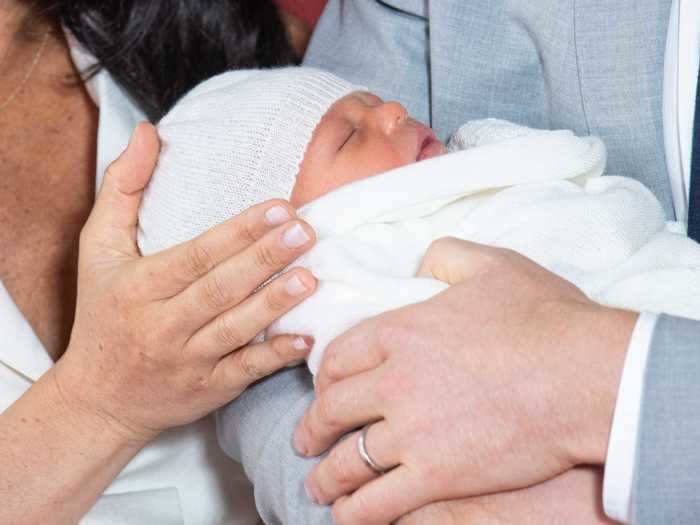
(236, 140)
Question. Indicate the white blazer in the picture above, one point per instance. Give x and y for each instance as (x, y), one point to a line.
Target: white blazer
(181, 478)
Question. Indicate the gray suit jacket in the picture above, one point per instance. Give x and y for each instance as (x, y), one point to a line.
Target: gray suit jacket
(593, 66)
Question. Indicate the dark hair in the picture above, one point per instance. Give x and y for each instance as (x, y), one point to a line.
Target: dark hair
(157, 50)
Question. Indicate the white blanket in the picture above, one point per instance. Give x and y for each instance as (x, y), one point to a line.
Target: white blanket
(539, 193)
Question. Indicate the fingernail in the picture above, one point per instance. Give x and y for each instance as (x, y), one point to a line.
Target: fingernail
(295, 237)
(300, 344)
(295, 286)
(310, 493)
(277, 215)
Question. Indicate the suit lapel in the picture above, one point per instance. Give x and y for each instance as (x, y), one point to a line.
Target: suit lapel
(411, 7)
(457, 75)
(482, 65)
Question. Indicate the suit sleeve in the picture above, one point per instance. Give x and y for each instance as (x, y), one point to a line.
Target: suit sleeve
(667, 487)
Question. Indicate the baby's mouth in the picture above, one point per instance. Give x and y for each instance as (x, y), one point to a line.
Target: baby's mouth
(428, 144)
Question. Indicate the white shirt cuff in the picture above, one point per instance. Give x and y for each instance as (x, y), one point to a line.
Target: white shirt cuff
(621, 461)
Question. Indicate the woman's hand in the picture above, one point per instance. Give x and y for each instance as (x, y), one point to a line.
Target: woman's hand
(573, 498)
(505, 380)
(157, 342)
(161, 341)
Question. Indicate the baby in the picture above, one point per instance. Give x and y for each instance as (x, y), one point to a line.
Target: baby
(350, 162)
(244, 137)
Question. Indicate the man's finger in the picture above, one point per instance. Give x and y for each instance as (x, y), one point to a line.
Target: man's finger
(188, 262)
(340, 408)
(112, 223)
(383, 500)
(343, 471)
(357, 350)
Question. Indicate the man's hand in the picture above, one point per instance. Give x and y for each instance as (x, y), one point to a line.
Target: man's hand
(503, 381)
(573, 498)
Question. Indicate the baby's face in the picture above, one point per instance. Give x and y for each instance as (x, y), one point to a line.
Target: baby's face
(359, 137)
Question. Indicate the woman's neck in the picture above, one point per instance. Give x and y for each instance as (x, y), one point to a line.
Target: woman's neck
(47, 162)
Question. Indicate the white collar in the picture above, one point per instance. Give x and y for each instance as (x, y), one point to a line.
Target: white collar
(20, 350)
(119, 115)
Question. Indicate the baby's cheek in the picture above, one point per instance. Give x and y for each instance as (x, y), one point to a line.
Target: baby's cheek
(301, 193)
(386, 160)
(312, 184)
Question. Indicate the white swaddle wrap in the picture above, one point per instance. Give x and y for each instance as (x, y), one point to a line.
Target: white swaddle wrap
(537, 192)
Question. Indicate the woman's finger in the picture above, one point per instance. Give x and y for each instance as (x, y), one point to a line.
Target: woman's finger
(235, 328)
(240, 369)
(232, 281)
(343, 471)
(383, 500)
(112, 223)
(340, 408)
(181, 265)
(357, 350)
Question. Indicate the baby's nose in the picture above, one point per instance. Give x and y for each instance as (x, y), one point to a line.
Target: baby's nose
(390, 115)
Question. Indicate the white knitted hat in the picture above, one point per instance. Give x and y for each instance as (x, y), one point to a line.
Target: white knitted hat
(236, 140)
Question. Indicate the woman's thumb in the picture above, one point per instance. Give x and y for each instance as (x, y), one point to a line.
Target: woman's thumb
(114, 218)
